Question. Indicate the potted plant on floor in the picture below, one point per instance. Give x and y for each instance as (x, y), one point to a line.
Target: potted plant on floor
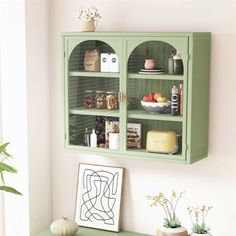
(198, 216)
(172, 225)
(4, 157)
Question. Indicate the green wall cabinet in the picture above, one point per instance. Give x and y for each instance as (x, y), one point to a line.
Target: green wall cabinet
(131, 86)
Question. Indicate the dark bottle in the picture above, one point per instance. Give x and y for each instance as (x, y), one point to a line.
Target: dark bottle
(171, 63)
(175, 101)
(178, 64)
(86, 137)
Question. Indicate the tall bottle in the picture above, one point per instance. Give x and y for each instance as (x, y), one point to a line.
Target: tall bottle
(181, 99)
(86, 137)
(178, 64)
(175, 101)
(171, 63)
(93, 139)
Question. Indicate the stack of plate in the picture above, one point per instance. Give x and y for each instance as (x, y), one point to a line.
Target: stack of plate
(156, 71)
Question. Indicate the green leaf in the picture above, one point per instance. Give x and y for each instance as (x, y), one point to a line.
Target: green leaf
(3, 147)
(2, 177)
(10, 190)
(5, 167)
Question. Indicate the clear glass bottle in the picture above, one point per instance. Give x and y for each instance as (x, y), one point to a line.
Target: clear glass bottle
(111, 100)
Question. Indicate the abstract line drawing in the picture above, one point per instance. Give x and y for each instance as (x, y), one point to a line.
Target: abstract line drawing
(99, 196)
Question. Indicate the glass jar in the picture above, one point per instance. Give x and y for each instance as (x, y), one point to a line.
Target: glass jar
(89, 99)
(112, 100)
(100, 99)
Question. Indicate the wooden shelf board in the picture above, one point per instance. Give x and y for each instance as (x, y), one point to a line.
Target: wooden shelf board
(142, 114)
(94, 232)
(95, 112)
(153, 76)
(94, 74)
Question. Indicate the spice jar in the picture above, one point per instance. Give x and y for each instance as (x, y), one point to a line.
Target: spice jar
(100, 99)
(88, 99)
(111, 100)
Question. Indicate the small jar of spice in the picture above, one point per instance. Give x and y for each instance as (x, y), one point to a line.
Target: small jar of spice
(89, 99)
(111, 100)
(100, 99)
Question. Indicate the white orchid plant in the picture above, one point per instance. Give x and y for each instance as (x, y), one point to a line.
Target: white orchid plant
(86, 14)
(169, 205)
(198, 216)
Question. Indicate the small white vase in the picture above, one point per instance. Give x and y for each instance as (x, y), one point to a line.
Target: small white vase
(89, 26)
(180, 231)
(195, 234)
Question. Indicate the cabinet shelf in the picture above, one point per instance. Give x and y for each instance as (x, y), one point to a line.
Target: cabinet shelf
(155, 77)
(95, 112)
(143, 153)
(94, 74)
(140, 114)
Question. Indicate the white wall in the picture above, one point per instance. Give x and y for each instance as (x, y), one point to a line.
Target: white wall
(211, 181)
(15, 210)
(38, 111)
(25, 114)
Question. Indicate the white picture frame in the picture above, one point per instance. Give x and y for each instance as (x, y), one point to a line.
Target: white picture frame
(98, 200)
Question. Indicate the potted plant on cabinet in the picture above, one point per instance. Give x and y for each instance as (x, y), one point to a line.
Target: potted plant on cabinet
(172, 225)
(5, 156)
(198, 217)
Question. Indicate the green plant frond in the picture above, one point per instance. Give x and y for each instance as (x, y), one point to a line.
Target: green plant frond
(171, 223)
(8, 168)
(10, 190)
(2, 177)
(3, 147)
(200, 229)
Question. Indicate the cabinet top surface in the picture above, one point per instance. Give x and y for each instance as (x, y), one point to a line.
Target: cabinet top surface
(135, 34)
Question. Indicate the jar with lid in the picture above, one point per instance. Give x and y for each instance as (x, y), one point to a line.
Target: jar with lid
(100, 99)
(89, 99)
(112, 100)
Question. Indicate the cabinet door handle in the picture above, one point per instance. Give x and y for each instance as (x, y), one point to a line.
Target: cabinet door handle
(119, 97)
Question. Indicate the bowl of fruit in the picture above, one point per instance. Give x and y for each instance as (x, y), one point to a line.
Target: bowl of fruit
(155, 102)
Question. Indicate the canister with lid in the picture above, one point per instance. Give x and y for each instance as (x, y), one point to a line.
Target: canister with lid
(100, 99)
(89, 97)
(111, 100)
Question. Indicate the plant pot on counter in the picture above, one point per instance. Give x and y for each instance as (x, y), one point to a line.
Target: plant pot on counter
(179, 231)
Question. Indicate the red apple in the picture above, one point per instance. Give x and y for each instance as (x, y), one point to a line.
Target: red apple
(156, 95)
(151, 96)
(146, 98)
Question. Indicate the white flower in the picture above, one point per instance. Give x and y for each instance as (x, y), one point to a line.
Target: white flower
(87, 14)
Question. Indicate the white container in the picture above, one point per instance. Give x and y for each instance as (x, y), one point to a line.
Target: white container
(113, 63)
(93, 139)
(109, 62)
(113, 140)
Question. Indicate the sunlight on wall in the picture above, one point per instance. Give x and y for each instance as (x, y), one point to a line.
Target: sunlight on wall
(14, 116)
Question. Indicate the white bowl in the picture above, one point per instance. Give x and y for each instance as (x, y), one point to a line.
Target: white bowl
(155, 106)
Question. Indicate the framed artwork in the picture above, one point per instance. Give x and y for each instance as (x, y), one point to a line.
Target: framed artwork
(98, 198)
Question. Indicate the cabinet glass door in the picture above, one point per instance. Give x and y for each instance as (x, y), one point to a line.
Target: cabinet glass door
(149, 91)
(92, 90)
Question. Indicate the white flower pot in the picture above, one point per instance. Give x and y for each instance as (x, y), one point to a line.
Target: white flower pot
(89, 26)
(180, 231)
(195, 234)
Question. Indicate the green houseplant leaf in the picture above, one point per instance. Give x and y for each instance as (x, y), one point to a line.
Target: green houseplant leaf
(9, 189)
(5, 167)
(4, 156)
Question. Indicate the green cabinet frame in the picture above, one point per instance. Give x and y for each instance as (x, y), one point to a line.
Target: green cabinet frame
(195, 52)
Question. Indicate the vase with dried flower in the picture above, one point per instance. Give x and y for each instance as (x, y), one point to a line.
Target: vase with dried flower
(89, 18)
(198, 218)
(172, 225)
